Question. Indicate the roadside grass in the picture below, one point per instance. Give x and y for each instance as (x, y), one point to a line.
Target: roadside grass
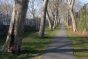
(32, 45)
(79, 43)
(81, 23)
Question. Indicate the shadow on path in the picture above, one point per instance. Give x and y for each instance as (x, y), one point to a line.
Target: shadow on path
(61, 46)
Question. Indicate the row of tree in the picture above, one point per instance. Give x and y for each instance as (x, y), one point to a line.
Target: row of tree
(52, 11)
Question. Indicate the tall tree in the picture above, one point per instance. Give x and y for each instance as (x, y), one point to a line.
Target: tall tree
(14, 37)
(53, 13)
(71, 4)
(43, 18)
(49, 21)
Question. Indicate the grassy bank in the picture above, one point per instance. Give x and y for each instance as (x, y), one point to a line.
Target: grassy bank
(32, 45)
(79, 43)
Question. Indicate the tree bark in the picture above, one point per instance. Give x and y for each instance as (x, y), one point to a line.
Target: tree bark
(49, 21)
(71, 4)
(43, 19)
(73, 21)
(55, 22)
(14, 37)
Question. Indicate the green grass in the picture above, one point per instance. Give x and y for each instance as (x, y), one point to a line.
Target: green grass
(82, 23)
(32, 45)
(80, 43)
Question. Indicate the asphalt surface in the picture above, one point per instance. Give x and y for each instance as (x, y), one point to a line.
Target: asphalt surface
(60, 48)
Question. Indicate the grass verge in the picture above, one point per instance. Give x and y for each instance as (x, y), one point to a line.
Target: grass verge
(79, 43)
(32, 45)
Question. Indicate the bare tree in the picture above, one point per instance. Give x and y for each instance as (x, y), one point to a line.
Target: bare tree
(71, 4)
(14, 37)
(53, 13)
(49, 20)
(43, 18)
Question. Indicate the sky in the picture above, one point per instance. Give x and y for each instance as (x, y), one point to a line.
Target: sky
(37, 1)
(79, 4)
(84, 1)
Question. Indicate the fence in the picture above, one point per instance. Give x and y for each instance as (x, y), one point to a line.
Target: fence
(30, 24)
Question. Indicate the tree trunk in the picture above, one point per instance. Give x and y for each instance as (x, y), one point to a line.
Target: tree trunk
(49, 21)
(73, 21)
(71, 4)
(43, 19)
(55, 22)
(14, 37)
